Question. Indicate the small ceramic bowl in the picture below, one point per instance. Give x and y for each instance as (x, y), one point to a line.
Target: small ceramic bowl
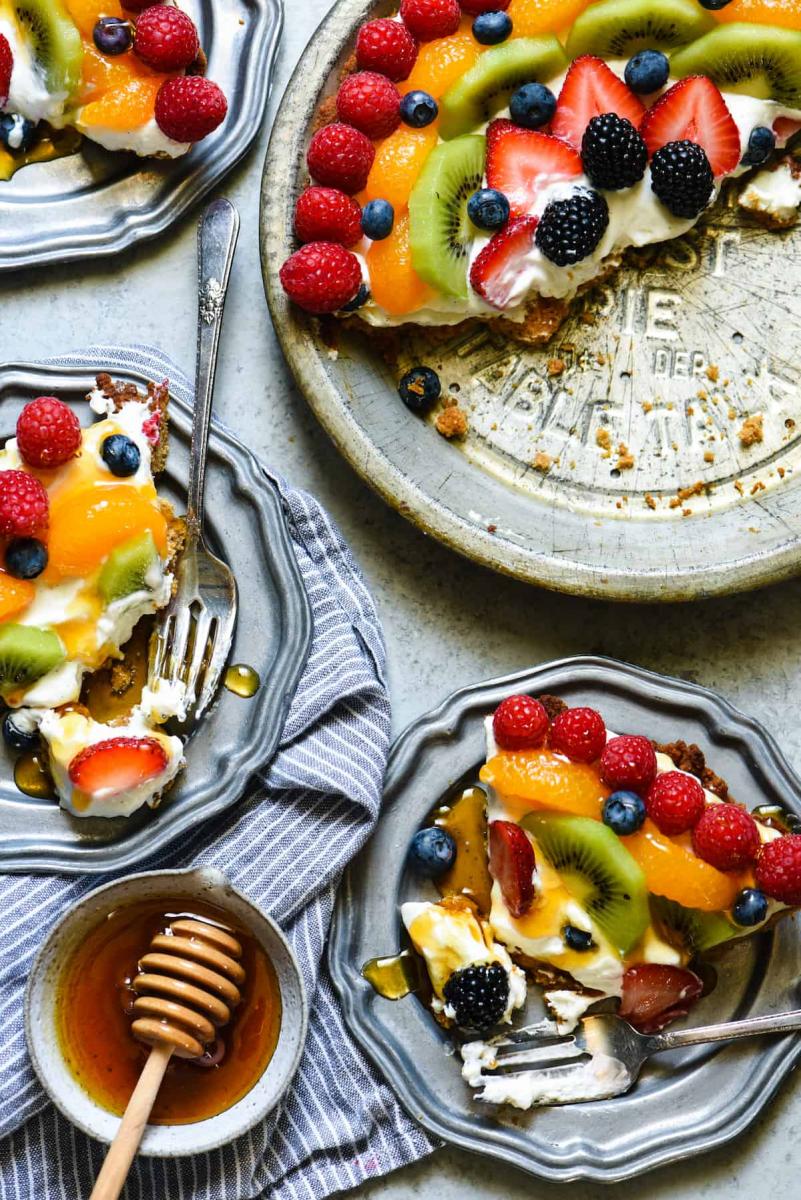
(163, 1141)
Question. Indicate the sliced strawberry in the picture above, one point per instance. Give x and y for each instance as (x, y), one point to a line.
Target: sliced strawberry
(521, 162)
(110, 767)
(511, 863)
(492, 274)
(655, 994)
(694, 111)
(6, 69)
(591, 89)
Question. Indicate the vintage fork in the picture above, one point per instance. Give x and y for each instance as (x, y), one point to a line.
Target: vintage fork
(193, 634)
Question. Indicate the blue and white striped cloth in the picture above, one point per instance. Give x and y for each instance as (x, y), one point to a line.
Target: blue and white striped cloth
(285, 846)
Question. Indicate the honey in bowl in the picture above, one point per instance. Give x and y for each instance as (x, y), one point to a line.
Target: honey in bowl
(94, 1022)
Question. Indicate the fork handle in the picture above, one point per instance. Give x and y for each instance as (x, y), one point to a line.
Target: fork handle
(726, 1031)
(216, 242)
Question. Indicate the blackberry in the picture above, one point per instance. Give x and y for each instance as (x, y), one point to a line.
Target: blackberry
(682, 178)
(478, 995)
(571, 229)
(613, 153)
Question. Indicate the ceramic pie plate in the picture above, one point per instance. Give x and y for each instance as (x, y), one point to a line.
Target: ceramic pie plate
(245, 526)
(669, 359)
(96, 203)
(685, 1102)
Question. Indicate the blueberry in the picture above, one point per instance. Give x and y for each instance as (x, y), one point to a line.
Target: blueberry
(488, 209)
(360, 299)
(714, 5)
(432, 851)
(25, 558)
(20, 734)
(577, 939)
(532, 105)
(378, 217)
(761, 144)
(490, 28)
(419, 388)
(623, 812)
(17, 133)
(121, 455)
(418, 109)
(113, 36)
(750, 907)
(647, 71)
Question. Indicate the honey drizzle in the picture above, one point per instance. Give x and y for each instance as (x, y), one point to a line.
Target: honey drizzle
(242, 680)
(466, 821)
(33, 778)
(395, 976)
(54, 144)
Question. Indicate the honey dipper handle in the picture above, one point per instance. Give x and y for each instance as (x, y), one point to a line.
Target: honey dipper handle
(114, 1171)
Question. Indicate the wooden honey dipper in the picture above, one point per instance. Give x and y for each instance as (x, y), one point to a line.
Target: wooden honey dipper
(186, 986)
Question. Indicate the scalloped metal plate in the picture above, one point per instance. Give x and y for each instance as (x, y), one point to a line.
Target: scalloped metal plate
(245, 523)
(685, 1102)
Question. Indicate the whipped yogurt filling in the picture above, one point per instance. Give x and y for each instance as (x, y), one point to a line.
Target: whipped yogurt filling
(774, 193)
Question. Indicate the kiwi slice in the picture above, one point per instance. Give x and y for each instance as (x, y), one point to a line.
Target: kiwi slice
(439, 228)
(486, 89)
(619, 28)
(598, 870)
(757, 60)
(27, 653)
(55, 40)
(697, 930)
(125, 570)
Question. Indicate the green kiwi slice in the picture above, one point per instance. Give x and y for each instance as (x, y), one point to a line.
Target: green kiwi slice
(486, 89)
(758, 60)
(440, 231)
(26, 654)
(697, 930)
(619, 28)
(55, 40)
(598, 870)
(125, 570)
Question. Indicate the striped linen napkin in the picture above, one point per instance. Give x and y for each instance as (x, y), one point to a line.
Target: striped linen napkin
(285, 845)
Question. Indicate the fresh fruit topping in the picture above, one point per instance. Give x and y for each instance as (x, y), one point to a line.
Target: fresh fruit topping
(20, 732)
(113, 36)
(129, 567)
(23, 505)
(429, 19)
(17, 133)
(613, 153)
(760, 60)
(25, 558)
(727, 837)
(325, 214)
(432, 852)
(490, 274)
(647, 72)
(578, 939)
(750, 907)
(26, 654)
(475, 8)
(778, 869)
(673, 870)
(761, 144)
(52, 42)
(532, 105)
(358, 301)
(714, 5)
(492, 28)
(784, 13)
(572, 229)
(591, 89)
(6, 68)
(117, 765)
(486, 88)
(520, 723)
(189, 108)
(377, 219)
(694, 930)
(532, 17)
(619, 28)
(534, 779)
(386, 46)
(121, 455)
(321, 277)
(629, 762)
(15, 596)
(624, 813)
(655, 994)
(579, 734)
(440, 64)
(521, 163)
(371, 103)
(398, 162)
(693, 110)
(86, 524)
(682, 178)
(675, 802)
(340, 156)
(395, 284)
(420, 388)
(419, 109)
(441, 231)
(478, 996)
(48, 432)
(488, 209)
(166, 38)
(512, 865)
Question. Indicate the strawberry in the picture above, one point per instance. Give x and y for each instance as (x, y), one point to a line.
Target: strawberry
(490, 275)
(511, 864)
(655, 994)
(590, 90)
(521, 162)
(110, 767)
(693, 110)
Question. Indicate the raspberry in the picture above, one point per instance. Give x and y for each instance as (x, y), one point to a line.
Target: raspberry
(340, 156)
(6, 67)
(474, 8)
(726, 837)
(388, 47)
(778, 869)
(23, 505)
(579, 734)
(519, 723)
(429, 19)
(189, 108)
(48, 433)
(613, 152)
(321, 277)
(682, 178)
(628, 762)
(166, 38)
(369, 102)
(675, 802)
(571, 229)
(327, 215)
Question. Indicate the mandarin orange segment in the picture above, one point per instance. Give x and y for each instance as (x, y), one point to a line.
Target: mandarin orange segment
(532, 17)
(440, 63)
(85, 13)
(674, 870)
(15, 595)
(86, 525)
(530, 779)
(398, 162)
(126, 107)
(786, 13)
(395, 284)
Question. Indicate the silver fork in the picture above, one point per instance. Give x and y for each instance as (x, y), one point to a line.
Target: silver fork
(193, 634)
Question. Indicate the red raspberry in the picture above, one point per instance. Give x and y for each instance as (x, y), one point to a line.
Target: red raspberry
(369, 102)
(475, 7)
(429, 19)
(726, 837)
(327, 215)
(340, 156)
(675, 802)
(628, 762)
(388, 47)
(778, 869)
(321, 277)
(579, 734)
(166, 38)
(48, 433)
(519, 723)
(189, 108)
(23, 505)
(7, 66)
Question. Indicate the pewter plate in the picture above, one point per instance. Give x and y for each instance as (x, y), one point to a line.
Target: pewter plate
(96, 203)
(246, 527)
(685, 1102)
(668, 360)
